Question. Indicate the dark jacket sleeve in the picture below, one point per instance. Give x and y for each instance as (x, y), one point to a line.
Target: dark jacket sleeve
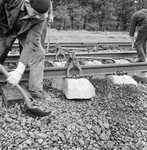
(13, 11)
(133, 25)
(4, 28)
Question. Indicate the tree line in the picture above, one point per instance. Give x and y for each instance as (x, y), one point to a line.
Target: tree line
(95, 15)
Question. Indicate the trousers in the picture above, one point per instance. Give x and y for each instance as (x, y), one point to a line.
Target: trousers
(140, 42)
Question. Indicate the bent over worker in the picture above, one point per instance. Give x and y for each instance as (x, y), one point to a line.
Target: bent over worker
(24, 19)
(139, 23)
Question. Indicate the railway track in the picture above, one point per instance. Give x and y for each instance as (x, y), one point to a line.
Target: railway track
(85, 44)
(51, 56)
(51, 72)
(78, 47)
(88, 70)
(82, 46)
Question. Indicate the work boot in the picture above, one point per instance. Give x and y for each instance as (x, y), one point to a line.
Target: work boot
(38, 94)
(138, 60)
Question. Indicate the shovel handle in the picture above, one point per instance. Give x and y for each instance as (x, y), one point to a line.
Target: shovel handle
(19, 88)
(48, 38)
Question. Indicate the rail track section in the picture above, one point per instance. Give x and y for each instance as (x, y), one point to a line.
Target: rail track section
(88, 70)
(51, 56)
(81, 45)
(60, 49)
(119, 43)
(73, 69)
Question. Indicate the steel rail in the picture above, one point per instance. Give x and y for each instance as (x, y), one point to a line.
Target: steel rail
(88, 70)
(51, 56)
(84, 44)
(91, 44)
(98, 69)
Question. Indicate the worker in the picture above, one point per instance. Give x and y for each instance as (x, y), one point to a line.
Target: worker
(139, 23)
(24, 20)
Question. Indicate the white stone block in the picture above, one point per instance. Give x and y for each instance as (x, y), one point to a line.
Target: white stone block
(96, 62)
(143, 74)
(122, 79)
(63, 63)
(59, 64)
(89, 63)
(78, 88)
(121, 61)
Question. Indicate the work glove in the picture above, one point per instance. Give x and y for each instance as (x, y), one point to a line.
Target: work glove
(50, 14)
(132, 38)
(15, 76)
(51, 18)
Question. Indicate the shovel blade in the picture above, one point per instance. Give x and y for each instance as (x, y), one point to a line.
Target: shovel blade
(29, 106)
(38, 111)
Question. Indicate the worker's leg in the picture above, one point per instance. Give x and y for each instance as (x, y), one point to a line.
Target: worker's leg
(43, 36)
(139, 45)
(32, 44)
(37, 71)
(144, 46)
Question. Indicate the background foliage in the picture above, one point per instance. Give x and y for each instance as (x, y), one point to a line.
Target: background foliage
(95, 15)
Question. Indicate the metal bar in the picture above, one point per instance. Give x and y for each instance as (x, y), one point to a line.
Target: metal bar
(87, 70)
(74, 48)
(98, 69)
(86, 44)
(51, 56)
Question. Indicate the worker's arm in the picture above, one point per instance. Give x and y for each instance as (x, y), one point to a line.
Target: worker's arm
(50, 13)
(132, 38)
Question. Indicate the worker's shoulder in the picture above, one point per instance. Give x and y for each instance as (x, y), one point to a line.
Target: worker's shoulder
(140, 13)
(14, 3)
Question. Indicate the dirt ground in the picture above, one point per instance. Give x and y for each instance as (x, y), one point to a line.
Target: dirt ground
(85, 36)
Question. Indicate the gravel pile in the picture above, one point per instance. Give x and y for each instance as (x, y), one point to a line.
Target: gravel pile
(116, 119)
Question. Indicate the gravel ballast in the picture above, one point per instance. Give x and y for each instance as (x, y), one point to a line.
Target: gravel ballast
(116, 119)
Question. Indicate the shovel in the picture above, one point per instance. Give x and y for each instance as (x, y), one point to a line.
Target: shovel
(48, 38)
(29, 106)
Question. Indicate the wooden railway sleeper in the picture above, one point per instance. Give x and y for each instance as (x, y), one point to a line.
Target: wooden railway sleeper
(73, 62)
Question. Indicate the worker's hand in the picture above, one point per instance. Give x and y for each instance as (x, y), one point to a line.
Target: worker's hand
(132, 46)
(14, 77)
(51, 18)
(50, 21)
